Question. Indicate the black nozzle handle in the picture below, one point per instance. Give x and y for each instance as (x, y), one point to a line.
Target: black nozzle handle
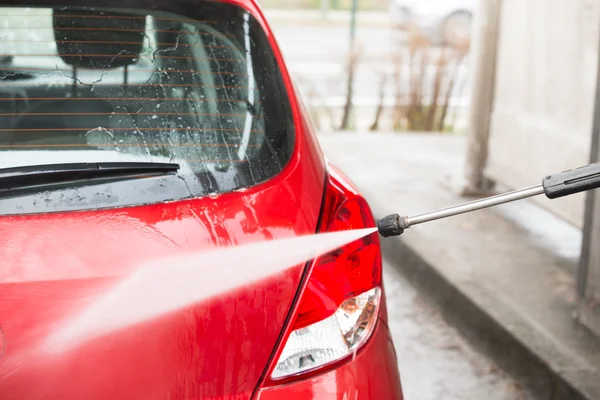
(572, 181)
(390, 226)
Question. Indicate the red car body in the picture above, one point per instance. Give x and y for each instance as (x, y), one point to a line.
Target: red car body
(223, 348)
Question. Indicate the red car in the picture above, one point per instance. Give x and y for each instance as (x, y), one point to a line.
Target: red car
(142, 129)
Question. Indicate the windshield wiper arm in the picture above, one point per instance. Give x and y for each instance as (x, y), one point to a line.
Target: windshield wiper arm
(31, 175)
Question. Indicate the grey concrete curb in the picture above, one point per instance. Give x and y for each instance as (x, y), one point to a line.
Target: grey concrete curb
(482, 330)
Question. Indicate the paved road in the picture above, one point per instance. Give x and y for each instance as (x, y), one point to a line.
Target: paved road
(435, 362)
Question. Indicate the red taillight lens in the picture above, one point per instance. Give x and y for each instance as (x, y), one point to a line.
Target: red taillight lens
(339, 306)
(345, 272)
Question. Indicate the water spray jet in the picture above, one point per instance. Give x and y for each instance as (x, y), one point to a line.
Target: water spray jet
(163, 285)
(553, 186)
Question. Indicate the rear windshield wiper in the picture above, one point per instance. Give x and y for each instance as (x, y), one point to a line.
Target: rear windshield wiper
(34, 175)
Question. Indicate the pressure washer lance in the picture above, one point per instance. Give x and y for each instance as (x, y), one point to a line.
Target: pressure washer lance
(553, 186)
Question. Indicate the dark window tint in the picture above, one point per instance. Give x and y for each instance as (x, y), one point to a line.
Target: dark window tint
(196, 85)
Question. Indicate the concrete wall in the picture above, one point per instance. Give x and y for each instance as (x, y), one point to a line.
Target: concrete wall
(544, 95)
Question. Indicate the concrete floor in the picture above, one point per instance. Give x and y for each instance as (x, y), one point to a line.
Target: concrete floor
(435, 362)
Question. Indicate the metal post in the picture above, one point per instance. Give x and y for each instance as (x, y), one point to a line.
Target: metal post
(353, 23)
(588, 274)
(325, 6)
(351, 65)
(486, 26)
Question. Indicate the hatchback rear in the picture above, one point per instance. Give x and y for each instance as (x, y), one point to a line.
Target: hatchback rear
(146, 130)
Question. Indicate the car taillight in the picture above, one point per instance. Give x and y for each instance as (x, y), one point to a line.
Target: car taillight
(339, 307)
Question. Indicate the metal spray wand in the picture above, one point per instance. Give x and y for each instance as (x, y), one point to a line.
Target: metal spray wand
(553, 186)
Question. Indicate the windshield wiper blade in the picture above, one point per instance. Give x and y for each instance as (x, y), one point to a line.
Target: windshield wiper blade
(30, 175)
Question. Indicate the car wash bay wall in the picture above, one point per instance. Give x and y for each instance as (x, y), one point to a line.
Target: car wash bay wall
(544, 94)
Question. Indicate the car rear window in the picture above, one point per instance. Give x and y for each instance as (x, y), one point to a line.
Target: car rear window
(194, 83)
